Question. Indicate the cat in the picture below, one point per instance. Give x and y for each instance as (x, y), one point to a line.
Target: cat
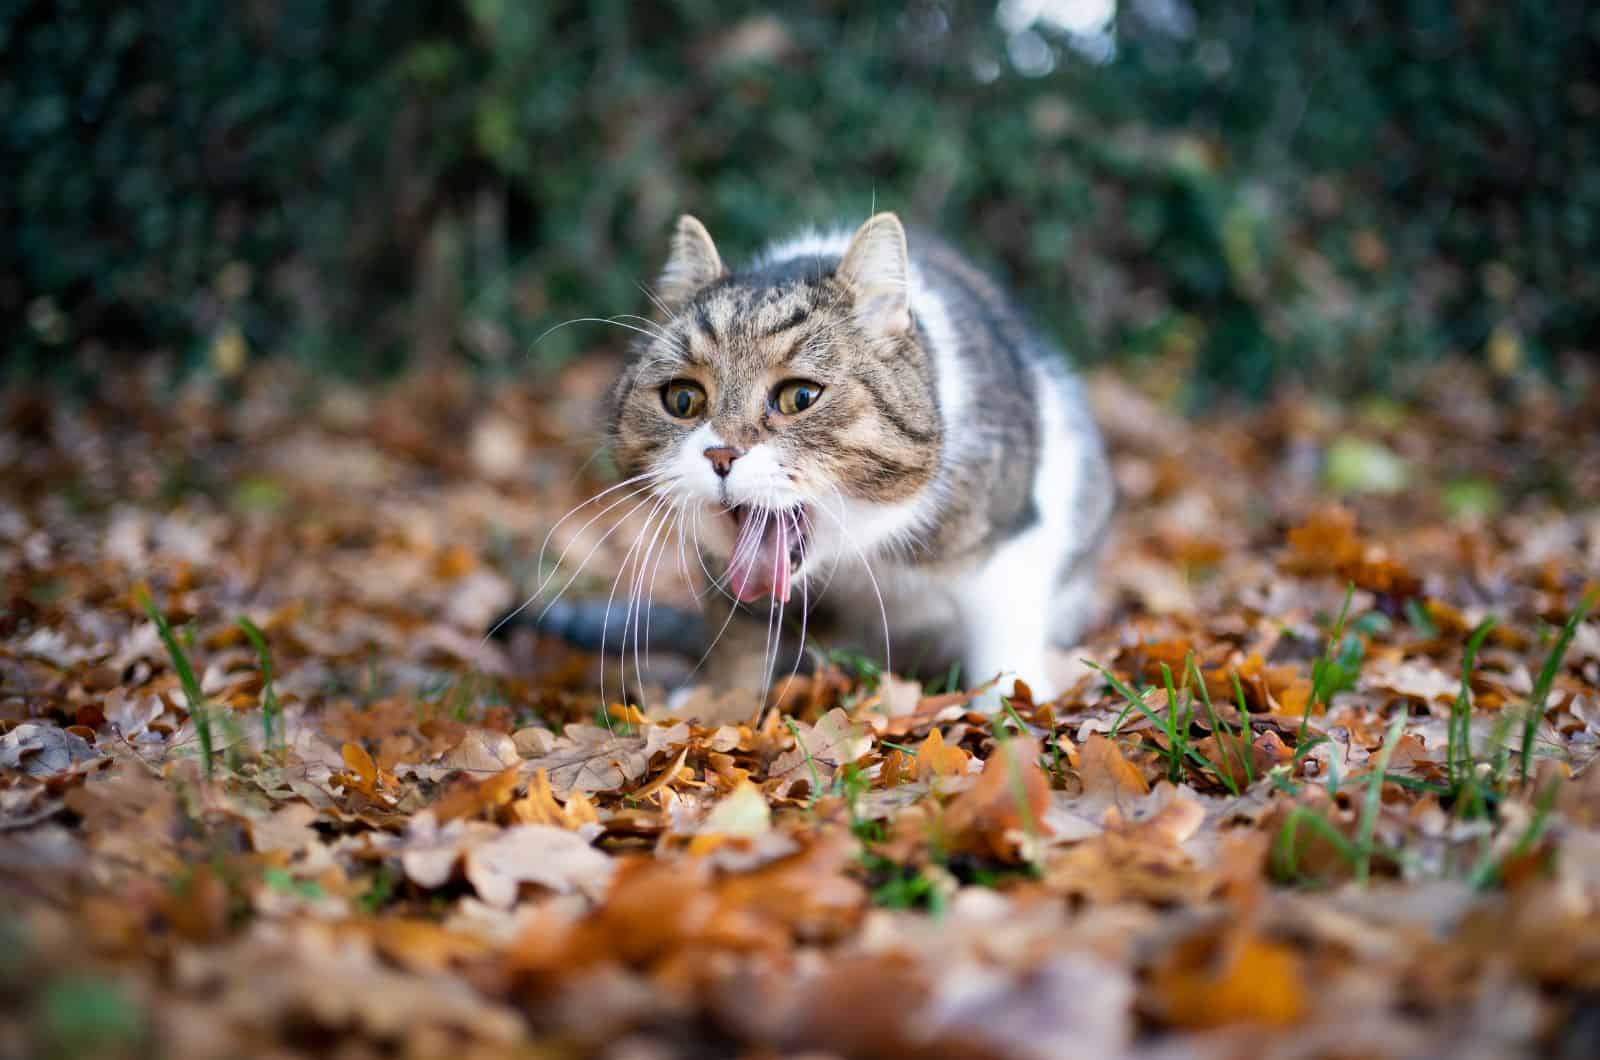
(867, 429)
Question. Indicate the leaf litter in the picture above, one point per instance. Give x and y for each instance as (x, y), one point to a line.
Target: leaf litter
(263, 789)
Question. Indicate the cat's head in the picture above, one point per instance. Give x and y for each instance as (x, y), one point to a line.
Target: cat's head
(789, 409)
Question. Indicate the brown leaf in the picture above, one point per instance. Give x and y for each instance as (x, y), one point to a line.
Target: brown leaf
(1106, 773)
(1139, 860)
(590, 759)
(481, 751)
(1004, 810)
(539, 806)
(831, 743)
(470, 797)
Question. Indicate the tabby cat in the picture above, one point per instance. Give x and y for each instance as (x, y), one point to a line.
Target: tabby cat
(856, 427)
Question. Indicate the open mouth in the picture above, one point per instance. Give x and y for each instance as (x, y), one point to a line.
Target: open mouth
(768, 548)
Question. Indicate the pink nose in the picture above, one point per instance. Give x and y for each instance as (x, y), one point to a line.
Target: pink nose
(722, 458)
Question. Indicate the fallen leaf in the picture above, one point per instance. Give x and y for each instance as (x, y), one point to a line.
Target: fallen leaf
(44, 750)
(1106, 773)
(555, 858)
(1239, 978)
(743, 813)
(589, 759)
(823, 748)
(1003, 814)
(936, 759)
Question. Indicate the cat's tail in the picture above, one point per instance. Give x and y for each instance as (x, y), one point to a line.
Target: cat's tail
(599, 626)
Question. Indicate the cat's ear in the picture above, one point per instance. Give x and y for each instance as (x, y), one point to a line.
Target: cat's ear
(692, 264)
(876, 267)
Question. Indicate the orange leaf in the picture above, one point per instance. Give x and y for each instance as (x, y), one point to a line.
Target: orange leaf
(361, 764)
(935, 758)
(469, 798)
(1004, 807)
(539, 806)
(1241, 980)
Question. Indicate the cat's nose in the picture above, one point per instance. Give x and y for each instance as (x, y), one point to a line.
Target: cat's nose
(722, 458)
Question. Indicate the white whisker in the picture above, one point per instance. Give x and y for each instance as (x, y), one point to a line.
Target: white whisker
(546, 544)
(605, 621)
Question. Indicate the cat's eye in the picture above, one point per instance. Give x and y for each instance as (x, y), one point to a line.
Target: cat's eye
(796, 396)
(683, 399)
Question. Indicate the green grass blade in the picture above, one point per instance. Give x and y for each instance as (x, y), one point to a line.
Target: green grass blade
(1374, 799)
(1547, 679)
(816, 778)
(191, 687)
(1487, 872)
(1322, 673)
(270, 708)
(1458, 756)
(1227, 742)
(1133, 698)
(1285, 856)
(1175, 748)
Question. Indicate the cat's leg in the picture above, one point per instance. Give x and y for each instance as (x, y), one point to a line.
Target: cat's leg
(1005, 610)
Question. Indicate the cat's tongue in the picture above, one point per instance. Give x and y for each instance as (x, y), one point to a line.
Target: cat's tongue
(759, 565)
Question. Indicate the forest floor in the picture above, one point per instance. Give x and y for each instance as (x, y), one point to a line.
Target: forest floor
(1299, 800)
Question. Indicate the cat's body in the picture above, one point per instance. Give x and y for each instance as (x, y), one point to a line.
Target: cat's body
(874, 434)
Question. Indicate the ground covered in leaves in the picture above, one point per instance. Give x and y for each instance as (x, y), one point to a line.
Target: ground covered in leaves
(264, 791)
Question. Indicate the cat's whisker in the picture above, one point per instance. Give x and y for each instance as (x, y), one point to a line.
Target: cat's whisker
(672, 519)
(643, 589)
(656, 330)
(732, 611)
(681, 532)
(578, 570)
(805, 609)
(769, 654)
(539, 563)
(649, 478)
(605, 622)
(656, 301)
(604, 320)
(643, 595)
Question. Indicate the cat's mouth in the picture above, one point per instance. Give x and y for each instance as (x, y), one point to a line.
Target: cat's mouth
(769, 547)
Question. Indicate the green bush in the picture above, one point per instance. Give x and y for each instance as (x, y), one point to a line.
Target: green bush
(1232, 188)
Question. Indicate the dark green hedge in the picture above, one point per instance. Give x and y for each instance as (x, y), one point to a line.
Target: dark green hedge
(1233, 187)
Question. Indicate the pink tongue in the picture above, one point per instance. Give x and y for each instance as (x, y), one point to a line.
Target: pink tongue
(760, 562)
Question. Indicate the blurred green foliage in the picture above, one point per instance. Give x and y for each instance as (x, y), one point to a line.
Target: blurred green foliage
(1232, 188)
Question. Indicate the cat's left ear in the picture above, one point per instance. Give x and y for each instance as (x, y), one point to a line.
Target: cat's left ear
(877, 268)
(694, 263)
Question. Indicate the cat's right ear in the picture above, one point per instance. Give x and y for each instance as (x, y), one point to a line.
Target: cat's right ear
(876, 266)
(693, 264)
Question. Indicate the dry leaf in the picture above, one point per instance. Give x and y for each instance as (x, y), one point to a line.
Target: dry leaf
(744, 813)
(555, 858)
(1002, 815)
(1106, 773)
(935, 759)
(1241, 978)
(822, 749)
(587, 758)
(43, 750)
